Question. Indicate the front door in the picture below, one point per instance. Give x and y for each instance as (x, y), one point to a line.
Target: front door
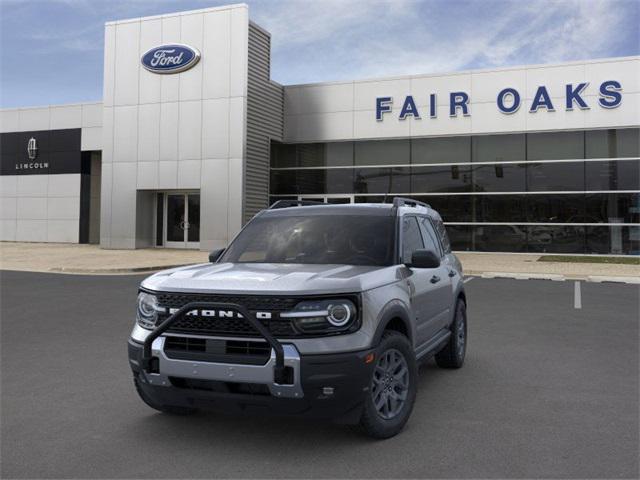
(182, 220)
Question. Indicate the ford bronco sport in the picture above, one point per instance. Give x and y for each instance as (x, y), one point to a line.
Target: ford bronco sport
(323, 310)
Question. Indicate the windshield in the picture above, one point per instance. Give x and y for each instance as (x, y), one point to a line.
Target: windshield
(317, 239)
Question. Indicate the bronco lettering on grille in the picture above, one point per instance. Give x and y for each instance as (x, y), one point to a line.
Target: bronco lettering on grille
(223, 314)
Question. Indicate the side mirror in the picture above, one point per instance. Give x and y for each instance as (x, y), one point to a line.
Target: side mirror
(424, 259)
(215, 255)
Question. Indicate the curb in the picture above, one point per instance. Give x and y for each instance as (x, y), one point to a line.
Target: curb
(114, 270)
(554, 277)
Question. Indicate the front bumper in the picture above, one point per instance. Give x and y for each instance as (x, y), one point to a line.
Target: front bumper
(322, 386)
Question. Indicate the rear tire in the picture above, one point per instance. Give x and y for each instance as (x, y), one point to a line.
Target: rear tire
(392, 389)
(169, 409)
(452, 355)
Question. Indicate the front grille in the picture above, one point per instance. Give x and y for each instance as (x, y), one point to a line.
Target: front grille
(199, 325)
(255, 303)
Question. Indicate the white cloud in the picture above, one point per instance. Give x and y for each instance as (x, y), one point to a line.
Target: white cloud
(326, 40)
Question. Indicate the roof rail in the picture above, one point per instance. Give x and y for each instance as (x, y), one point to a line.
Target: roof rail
(294, 203)
(408, 202)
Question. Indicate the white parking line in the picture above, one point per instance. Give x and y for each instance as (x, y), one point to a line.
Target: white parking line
(468, 279)
(577, 296)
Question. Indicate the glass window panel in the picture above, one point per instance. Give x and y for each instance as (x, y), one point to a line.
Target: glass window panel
(612, 208)
(310, 154)
(339, 154)
(441, 150)
(273, 200)
(556, 239)
(613, 143)
(555, 145)
(542, 177)
(193, 234)
(499, 208)
(499, 148)
(460, 237)
(283, 155)
(567, 208)
(283, 182)
(445, 178)
(429, 236)
(499, 178)
(444, 237)
(613, 240)
(369, 199)
(382, 152)
(613, 175)
(452, 208)
(499, 238)
(411, 238)
(382, 180)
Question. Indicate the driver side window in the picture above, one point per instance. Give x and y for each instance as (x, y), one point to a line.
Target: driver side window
(411, 238)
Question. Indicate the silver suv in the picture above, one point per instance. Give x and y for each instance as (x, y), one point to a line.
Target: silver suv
(314, 309)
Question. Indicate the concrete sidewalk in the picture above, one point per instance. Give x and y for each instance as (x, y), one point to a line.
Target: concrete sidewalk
(71, 258)
(490, 265)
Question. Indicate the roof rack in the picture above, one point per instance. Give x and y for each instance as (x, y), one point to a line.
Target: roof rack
(294, 203)
(408, 202)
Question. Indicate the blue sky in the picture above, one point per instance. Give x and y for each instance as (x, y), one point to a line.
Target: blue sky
(51, 50)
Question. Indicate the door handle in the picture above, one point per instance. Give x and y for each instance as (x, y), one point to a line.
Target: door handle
(435, 279)
(452, 273)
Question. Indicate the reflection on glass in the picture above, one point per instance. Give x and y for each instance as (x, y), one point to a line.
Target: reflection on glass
(556, 208)
(543, 177)
(499, 148)
(613, 240)
(613, 207)
(555, 145)
(194, 217)
(440, 150)
(612, 143)
(382, 180)
(614, 175)
(175, 218)
(500, 238)
(499, 178)
(382, 152)
(556, 239)
(446, 178)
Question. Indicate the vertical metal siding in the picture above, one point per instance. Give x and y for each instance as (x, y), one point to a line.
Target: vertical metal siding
(265, 121)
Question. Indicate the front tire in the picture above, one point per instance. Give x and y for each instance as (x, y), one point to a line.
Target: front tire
(392, 389)
(452, 355)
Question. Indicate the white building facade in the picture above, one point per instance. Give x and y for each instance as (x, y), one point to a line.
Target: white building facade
(538, 158)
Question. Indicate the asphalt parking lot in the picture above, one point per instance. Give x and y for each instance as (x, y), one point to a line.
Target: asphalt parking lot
(549, 389)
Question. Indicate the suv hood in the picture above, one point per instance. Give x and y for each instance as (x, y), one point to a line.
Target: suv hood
(268, 278)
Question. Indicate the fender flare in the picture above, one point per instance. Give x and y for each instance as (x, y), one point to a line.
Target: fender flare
(393, 309)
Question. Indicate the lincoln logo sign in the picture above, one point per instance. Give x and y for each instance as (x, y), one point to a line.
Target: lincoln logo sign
(172, 58)
(508, 101)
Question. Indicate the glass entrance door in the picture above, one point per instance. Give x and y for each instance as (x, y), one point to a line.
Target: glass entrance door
(182, 220)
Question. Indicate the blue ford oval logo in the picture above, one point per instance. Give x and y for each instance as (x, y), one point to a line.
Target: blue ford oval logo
(172, 58)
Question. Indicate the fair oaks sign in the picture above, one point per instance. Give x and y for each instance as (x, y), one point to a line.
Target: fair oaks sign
(173, 58)
(508, 101)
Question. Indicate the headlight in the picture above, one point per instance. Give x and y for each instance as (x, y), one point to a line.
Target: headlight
(147, 310)
(323, 316)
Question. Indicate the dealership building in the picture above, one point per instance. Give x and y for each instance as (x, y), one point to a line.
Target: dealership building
(192, 138)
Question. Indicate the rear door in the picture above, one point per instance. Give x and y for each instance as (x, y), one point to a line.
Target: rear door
(441, 297)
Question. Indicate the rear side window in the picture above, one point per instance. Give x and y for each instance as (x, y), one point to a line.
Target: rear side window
(411, 238)
(430, 237)
(442, 233)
